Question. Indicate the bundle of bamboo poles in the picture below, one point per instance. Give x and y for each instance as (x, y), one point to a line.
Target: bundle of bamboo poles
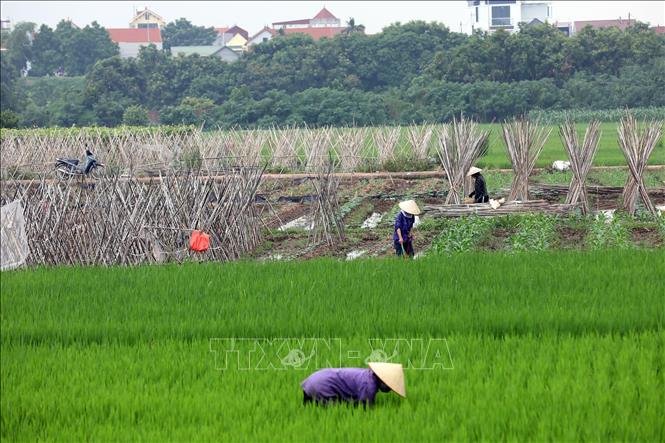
(328, 226)
(126, 221)
(512, 207)
(637, 145)
(581, 158)
(524, 141)
(460, 145)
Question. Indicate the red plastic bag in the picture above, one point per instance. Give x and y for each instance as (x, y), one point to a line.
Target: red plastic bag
(199, 241)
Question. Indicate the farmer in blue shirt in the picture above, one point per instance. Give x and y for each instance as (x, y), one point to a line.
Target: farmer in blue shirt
(356, 385)
(403, 238)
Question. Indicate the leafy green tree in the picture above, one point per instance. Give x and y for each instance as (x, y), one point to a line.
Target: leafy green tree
(7, 83)
(112, 85)
(191, 111)
(19, 46)
(183, 33)
(8, 119)
(86, 47)
(47, 57)
(135, 115)
(352, 28)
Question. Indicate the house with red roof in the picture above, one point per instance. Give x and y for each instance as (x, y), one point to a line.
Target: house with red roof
(323, 24)
(263, 35)
(226, 34)
(598, 24)
(130, 40)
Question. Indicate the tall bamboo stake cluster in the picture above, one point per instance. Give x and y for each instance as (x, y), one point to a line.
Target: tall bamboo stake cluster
(328, 225)
(283, 145)
(350, 147)
(318, 146)
(385, 142)
(581, 158)
(637, 145)
(126, 222)
(419, 138)
(460, 145)
(524, 140)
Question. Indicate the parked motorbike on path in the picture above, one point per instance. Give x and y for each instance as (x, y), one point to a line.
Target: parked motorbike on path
(70, 167)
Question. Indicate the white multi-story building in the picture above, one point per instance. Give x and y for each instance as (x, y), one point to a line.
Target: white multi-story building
(491, 15)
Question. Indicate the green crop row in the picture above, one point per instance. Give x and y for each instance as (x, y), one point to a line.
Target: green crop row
(538, 232)
(534, 233)
(91, 305)
(604, 115)
(510, 388)
(98, 131)
(561, 346)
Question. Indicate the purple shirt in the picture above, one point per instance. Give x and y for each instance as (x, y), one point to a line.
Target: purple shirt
(405, 224)
(346, 383)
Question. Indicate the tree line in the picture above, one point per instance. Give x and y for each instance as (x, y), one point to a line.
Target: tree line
(409, 72)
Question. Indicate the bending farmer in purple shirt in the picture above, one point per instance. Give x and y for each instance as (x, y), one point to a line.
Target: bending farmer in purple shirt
(357, 385)
(403, 238)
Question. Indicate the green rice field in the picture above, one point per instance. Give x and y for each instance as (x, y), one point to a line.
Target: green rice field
(546, 346)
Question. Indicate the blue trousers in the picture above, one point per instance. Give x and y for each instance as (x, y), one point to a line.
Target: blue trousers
(408, 248)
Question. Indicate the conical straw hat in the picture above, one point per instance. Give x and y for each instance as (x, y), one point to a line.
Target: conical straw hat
(472, 171)
(410, 206)
(391, 374)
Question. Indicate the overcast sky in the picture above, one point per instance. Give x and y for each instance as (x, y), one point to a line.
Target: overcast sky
(252, 16)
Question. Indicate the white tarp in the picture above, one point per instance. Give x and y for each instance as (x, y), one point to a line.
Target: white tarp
(13, 240)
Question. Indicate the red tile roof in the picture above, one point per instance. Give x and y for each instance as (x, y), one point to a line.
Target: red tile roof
(304, 21)
(315, 33)
(233, 30)
(618, 23)
(265, 28)
(659, 29)
(138, 35)
(324, 13)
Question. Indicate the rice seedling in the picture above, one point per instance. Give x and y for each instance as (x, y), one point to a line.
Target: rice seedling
(539, 346)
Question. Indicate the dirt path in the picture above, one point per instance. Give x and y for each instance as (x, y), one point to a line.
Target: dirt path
(350, 175)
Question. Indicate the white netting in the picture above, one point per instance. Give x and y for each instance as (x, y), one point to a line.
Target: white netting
(13, 240)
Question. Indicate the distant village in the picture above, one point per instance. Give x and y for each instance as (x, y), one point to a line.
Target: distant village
(231, 42)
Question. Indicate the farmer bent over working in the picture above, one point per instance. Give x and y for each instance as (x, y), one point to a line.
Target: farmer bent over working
(357, 385)
(403, 238)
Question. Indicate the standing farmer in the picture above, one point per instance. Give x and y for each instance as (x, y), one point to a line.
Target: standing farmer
(357, 385)
(479, 193)
(403, 238)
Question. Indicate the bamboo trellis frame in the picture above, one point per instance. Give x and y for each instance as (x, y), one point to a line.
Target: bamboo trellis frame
(637, 145)
(385, 142)
(581, 158)
(419, 138)
(126, 222)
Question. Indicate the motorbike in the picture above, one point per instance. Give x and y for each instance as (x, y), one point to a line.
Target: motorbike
(70, 167)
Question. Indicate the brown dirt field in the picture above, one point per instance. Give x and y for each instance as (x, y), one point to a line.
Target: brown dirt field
(285, 214)
(496, 240)
(647, 237)
(570, 238)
